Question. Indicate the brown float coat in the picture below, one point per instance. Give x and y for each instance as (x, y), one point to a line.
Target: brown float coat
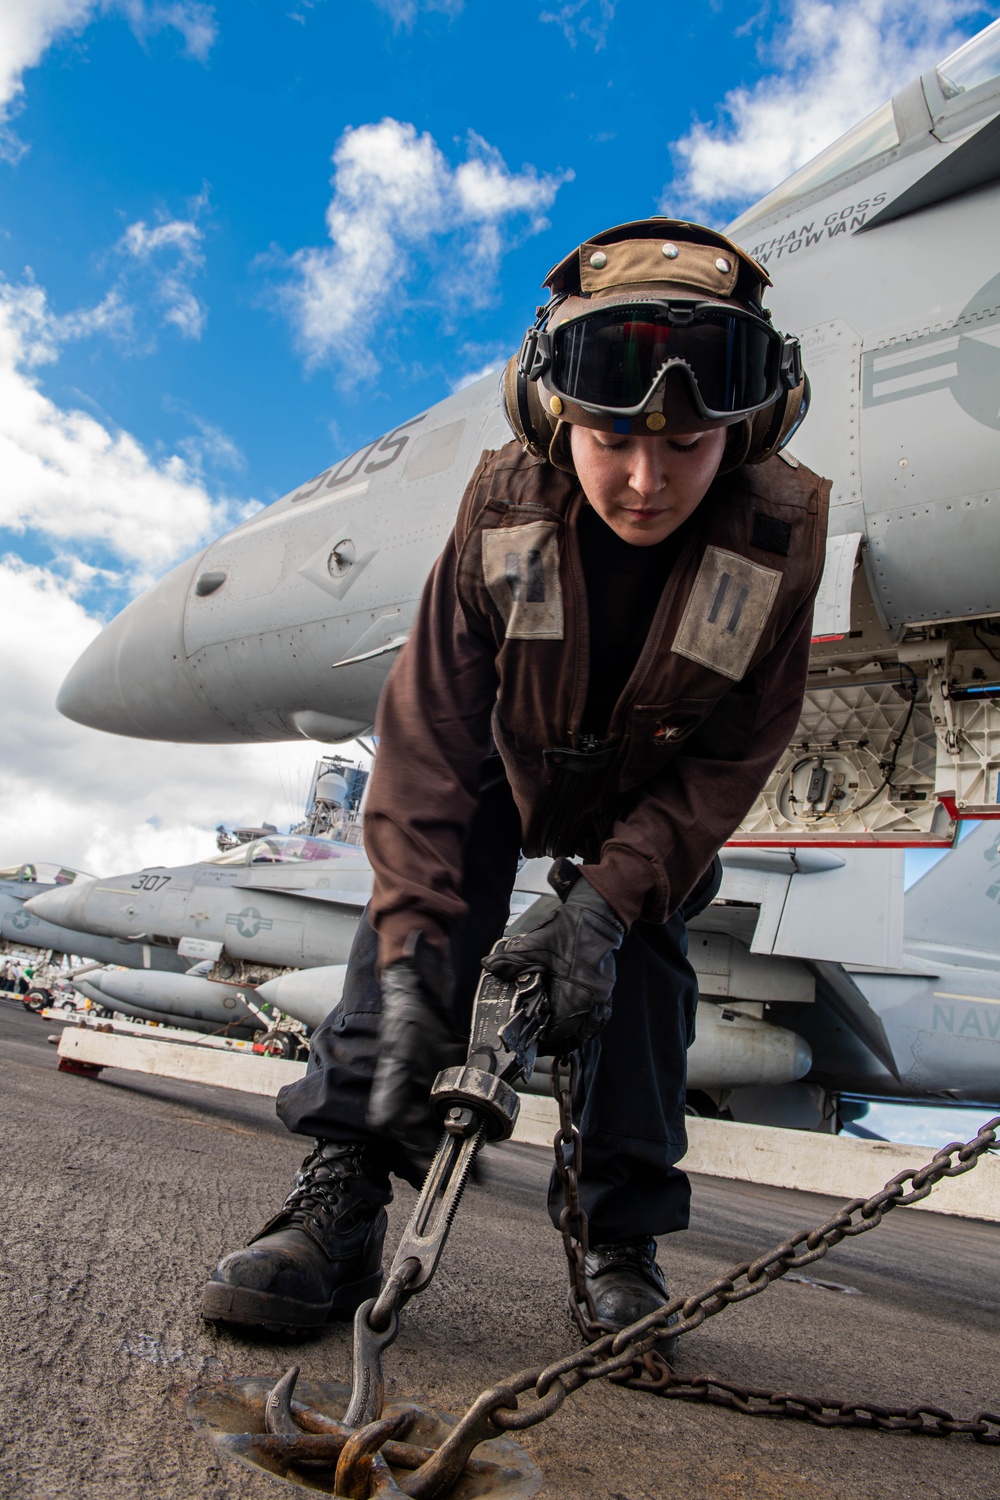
(501, 644)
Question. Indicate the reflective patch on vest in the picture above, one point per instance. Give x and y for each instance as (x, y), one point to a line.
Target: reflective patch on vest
(727, 612)
(521, 570)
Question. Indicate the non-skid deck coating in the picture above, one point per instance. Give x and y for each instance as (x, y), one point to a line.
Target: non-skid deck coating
(118, 1194)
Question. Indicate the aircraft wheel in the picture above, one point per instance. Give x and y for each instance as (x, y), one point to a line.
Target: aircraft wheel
(281, 1044)
(36, 1000)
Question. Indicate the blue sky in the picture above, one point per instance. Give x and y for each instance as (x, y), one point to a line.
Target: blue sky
(239, 239)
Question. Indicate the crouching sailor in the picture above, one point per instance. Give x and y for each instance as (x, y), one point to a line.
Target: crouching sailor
(609, 658)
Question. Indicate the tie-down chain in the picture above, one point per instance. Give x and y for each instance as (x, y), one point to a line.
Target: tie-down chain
(365, 1451)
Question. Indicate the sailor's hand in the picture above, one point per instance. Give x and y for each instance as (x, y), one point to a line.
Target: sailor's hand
(574, 947)
(416, 1041)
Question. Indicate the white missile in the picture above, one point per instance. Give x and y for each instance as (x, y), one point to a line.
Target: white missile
(132, 1012)
(733, 1051)
(307, 994)
(186, 997)
(137, 1013)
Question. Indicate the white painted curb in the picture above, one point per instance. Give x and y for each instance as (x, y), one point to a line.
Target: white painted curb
(837, 1166)
(251, 1073)
(840, 1166)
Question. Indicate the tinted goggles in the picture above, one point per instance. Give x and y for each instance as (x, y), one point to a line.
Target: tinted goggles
(613, 359)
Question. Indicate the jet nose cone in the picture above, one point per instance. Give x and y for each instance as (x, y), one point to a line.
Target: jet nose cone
(63, 904)
(134, 678)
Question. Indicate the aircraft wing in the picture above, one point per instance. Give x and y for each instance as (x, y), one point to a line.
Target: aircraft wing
(770, 935)
(837, 989)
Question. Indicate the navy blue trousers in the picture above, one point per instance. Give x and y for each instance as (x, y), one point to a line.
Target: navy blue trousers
(629, 1103)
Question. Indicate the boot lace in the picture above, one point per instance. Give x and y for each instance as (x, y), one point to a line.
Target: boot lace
(333, 1187)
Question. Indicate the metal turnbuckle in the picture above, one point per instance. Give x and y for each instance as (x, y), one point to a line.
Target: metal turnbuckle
(347, 1442)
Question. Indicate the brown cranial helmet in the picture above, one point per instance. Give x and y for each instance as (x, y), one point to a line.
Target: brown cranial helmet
(656, 326)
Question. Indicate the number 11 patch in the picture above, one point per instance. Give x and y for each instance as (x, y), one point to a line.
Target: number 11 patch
(727, 612)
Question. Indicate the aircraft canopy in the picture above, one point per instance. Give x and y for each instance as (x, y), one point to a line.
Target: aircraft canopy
(43, 873)
(976, 62)
(286, 849)
(870, 138)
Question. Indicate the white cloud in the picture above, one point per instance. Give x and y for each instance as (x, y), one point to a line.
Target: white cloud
(493, 368)
(32, 334)
(29, 27)
(832, 64)
(402, 12)
(86, 799)
(70, 794)
(405, 12)
(209, 445)
(396, 199)
(67, 475)
(590, 18)
(177, 234)
(171, 253)
(195, 22)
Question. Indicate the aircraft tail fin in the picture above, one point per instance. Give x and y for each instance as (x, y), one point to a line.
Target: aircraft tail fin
(952, 914)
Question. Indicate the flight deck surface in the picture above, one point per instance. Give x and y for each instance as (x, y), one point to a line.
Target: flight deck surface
(120, 1193)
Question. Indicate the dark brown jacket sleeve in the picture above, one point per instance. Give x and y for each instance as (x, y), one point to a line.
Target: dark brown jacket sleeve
(433, 725)
(680, 820)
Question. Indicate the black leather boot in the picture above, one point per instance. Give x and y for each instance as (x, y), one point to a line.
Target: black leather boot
(319, 1257)
(626, 1284)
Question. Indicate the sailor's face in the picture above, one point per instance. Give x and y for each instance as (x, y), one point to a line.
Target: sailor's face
(645, 487)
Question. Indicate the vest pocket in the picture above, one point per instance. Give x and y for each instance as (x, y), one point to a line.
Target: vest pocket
(656, 731)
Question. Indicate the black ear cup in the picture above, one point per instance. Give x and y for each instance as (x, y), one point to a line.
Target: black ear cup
(529, 421)
(771, 428)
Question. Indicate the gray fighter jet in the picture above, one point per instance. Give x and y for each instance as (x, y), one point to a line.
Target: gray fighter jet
(884, 254)
(284, 901)
(22, 930)
(276, 918)
(783, 1025)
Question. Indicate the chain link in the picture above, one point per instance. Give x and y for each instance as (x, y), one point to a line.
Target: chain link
(651, 1373)
(568, 1149)
(628, 1357)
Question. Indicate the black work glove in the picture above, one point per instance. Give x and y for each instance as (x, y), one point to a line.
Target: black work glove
(416, 1041)
(574, 947)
